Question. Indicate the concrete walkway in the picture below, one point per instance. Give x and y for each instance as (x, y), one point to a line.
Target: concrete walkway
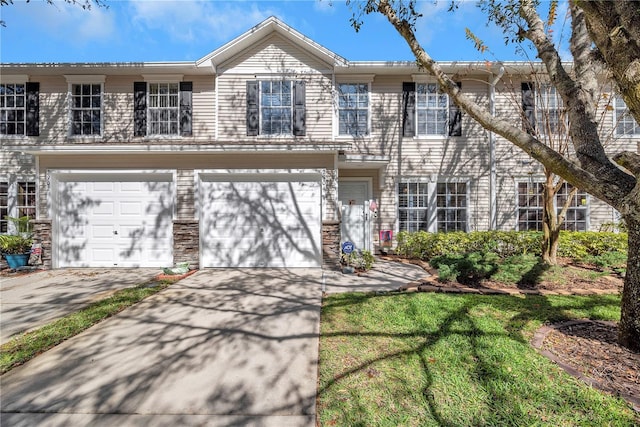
(219, 348)
(35, 299)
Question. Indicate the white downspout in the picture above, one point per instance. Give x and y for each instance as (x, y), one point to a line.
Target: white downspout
(493, 202)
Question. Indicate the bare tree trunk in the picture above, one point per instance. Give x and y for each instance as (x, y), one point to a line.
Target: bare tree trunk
(629, 327)
(550, 226)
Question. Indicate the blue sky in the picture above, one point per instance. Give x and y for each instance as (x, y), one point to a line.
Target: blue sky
(186, 30)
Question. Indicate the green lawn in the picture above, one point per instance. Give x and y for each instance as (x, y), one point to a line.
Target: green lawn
(454, 360)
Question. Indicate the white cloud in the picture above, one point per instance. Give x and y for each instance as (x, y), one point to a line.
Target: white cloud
(198, 20)
(61, 20)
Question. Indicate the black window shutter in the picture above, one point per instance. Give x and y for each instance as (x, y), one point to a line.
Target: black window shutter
(529, 107)
(408, 109)
(455, 117)
(186, 108)
(139, 108)
(253, 112)
(299, 110)
(32, 110)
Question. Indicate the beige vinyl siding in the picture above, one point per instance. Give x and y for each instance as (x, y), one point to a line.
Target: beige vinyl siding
(233, 109)
(54, 114)
(274, 55)
(204, 108)
(118, 108)
(274, 58)
(185, 186)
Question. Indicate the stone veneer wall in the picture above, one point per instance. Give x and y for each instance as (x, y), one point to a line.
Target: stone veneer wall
(186, 242)
(331, 244)
(42, 235)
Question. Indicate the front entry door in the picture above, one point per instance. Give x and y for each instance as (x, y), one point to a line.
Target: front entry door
(356, 216)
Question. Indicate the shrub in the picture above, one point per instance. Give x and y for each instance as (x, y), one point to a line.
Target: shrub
(361, 260)
(524, 268)
(467, 268)
(575, 245)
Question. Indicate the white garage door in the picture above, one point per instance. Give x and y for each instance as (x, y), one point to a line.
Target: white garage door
(114, 220)
(260, 220)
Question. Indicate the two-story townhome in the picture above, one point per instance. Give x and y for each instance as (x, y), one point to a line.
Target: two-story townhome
(267, 152)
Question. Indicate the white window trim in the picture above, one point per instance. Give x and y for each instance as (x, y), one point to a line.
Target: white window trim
(617, 97)
(12, 196)
(261, 134)
(430, 136)
(161, 136)
(72, 82)
(14, 78)
(336, 116)
(15, 81)
(467, 208)
(540, 180)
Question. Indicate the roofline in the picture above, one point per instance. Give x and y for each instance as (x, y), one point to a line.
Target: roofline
(272, 23)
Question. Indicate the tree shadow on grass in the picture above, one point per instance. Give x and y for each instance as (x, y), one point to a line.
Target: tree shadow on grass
(466, 327)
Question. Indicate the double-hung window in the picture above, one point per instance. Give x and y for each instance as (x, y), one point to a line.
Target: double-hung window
(276, 108)
(19, 109)
(17, 199)
(543, 110)
(86, 109)
(427, 111)
(624, 121)
(451, 210)
(353, 109)
(530, 207)
(413, 203)
(432, 206)
(163, 108)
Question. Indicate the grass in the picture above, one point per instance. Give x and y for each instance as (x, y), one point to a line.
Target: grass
(27, 345)
(454, 360)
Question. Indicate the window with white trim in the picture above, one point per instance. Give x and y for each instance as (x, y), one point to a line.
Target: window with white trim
(86, 109)
(17, 199)
(12, 109)
(276, 107)
(550, 112)
(163, 109)
(4, 206)
(413, 204)
(353, 109)
(530, 207)
(432, 107)
(451, 206)
(624, 121)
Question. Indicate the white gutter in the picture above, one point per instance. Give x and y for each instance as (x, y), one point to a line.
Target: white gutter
(493, 202)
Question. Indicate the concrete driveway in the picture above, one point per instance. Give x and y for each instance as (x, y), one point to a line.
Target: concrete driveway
(219, 348)
(32, 300)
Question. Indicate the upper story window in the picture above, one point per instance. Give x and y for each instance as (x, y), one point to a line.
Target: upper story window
(276, 107)
(624, 121)
(543, 110)
(86, 109)
(353, 109)
(428, 111)
(19, 109)
(530, 207)
(163, 108)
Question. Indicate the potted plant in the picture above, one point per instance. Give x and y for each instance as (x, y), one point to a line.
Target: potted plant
(16, 248)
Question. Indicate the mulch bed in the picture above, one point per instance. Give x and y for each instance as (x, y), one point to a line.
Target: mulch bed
(588, 350)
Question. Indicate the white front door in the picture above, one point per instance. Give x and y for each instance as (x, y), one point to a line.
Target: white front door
(355, 224)
(260, 220)
(114, 220)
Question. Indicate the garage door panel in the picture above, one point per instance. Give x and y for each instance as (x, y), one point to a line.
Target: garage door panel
(113, 220)
(252, 223)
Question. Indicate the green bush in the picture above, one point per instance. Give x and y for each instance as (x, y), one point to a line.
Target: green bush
(467, 268)
(524, 268)
(575, 245)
